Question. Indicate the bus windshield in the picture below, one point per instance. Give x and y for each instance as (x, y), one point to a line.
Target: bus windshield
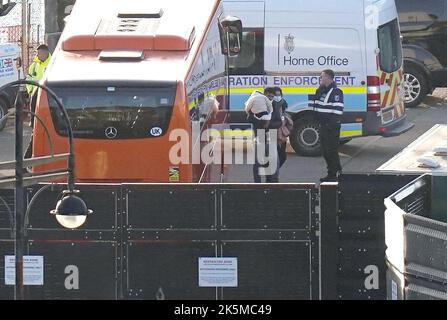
(390, 47)
(114, 112)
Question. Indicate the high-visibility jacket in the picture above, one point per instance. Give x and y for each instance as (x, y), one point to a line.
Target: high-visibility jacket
(36, 72)
(328, 103)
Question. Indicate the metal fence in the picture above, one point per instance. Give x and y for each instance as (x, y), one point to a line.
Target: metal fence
(353, 225)
(11, 27)
(13, 34)
(291, 241)
(144, 242)
(416, 226)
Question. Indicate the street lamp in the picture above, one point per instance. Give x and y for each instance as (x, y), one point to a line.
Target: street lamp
(71, 211)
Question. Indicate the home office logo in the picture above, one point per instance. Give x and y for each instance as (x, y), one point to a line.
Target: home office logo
(289, 44)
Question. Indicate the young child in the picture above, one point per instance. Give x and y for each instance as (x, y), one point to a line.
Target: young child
(259, 108)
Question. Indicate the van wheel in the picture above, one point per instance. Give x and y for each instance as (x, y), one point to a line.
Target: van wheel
(3, 112)
(305, 138)
(415, 87)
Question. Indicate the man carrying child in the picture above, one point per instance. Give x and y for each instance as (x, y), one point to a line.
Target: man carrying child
(259, 109)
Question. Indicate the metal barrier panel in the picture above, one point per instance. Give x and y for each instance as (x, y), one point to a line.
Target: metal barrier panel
(71, 270)
(273, 229)
(77, 270)
(417, 243)
(408, 287)
(6, 209)
(270, 229)
(362, 234)
(426, 245)
(77, 264)
(152, 236)
(166, 270)
(329, 242)
(438, 197)
(268, 208)
(167, 229)
(6, 248)
(420, 289)
(272, 270)
(103, 200)
(164, 207)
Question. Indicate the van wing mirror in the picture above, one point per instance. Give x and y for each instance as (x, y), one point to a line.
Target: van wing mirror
(231, 36)
(6, 8)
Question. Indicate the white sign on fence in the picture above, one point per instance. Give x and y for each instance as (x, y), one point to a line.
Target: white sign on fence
(32, 270)
(218, 272)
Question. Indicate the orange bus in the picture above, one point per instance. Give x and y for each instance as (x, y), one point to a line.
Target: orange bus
(129, 73)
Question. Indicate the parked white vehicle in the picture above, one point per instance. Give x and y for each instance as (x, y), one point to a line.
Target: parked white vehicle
(9, 72)
(287, 43)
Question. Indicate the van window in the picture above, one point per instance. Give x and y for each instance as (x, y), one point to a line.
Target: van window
(390, 47)
(250, 60)
(131, 112)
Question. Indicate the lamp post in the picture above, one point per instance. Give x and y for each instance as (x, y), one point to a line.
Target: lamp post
(71, 211)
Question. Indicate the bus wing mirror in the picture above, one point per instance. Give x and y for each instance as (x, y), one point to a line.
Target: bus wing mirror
(231, 36)
(6, 8)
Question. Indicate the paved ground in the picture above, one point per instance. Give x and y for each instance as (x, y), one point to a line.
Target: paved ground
(360, 155)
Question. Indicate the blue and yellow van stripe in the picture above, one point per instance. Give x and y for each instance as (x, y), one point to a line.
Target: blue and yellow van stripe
(355, 100)
(351, 130)
(301, 90)
(348, 130)
(298, 97)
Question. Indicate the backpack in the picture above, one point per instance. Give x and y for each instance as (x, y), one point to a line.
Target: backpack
(286, 129)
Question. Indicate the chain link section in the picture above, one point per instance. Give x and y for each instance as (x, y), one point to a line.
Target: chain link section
(11, 27)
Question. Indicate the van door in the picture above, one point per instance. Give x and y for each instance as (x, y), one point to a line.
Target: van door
(390, 66)
(295, 58)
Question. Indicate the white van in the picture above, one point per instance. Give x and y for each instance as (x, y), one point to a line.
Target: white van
(287, 43)
(9, 72)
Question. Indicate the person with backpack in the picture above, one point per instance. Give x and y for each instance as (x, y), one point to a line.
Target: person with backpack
(282, 122)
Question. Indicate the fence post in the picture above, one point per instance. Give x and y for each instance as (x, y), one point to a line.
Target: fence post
(329, 240)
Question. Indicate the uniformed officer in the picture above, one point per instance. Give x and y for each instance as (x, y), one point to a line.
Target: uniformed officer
(328, 106)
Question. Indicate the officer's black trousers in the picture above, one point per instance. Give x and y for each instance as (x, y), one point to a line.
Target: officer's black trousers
(330, 141)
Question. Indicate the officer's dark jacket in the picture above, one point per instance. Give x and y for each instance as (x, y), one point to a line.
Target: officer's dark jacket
(328, 104)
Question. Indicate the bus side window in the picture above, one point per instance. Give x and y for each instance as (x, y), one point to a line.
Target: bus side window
(251, 59)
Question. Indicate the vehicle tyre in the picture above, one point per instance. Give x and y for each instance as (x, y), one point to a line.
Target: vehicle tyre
(3, 112)
(415, 87)
(305, 138)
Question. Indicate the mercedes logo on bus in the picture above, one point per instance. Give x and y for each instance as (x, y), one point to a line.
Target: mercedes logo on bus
(111, 133)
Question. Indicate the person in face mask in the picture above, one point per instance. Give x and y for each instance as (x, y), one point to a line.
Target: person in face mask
(280, 120)
(279, 99)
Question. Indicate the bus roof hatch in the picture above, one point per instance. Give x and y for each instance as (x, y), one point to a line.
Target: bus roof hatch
(155, 13)
(132, 31)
